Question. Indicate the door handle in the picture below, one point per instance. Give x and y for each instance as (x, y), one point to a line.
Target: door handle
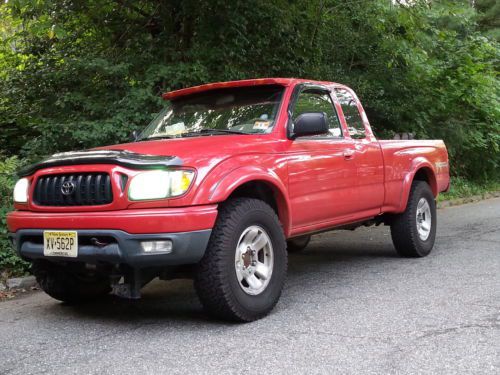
(348, 154)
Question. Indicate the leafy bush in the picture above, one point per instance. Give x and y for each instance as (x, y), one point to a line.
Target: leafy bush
(80, 74)
(72, 76)
(9, 261)
(462, 188)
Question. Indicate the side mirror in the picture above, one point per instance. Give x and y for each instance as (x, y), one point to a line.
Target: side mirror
(134, 136)
(310, 123)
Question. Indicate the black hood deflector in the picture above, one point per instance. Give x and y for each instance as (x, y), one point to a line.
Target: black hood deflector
(120, 157)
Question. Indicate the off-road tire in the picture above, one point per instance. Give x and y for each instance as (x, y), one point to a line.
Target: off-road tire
(297, 244)
(404, 230)
(216, 282)
(67, 286)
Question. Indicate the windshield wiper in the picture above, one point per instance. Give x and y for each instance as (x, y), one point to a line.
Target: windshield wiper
(194, 133)
(208, 132)
(155, 137)
(222, 131)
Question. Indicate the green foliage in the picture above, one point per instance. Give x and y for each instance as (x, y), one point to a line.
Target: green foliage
(488, 17)
(462, 188)
(78, 74)
(9, 261)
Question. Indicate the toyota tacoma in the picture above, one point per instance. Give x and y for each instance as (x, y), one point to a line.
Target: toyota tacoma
(223, 183)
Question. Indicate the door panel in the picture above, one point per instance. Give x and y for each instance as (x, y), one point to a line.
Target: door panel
(321, 169)
(369, 178)
(368, 155)
(321, 180)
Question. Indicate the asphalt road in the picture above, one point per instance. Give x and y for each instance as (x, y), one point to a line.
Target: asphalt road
(349, 306)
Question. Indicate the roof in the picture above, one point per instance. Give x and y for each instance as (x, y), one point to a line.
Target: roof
(243, 83)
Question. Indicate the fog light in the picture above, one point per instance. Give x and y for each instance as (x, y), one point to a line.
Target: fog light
(157, 246)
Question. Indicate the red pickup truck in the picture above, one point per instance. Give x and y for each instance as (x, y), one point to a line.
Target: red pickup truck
(226, 180)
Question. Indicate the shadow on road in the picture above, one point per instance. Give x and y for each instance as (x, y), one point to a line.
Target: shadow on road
(325, 260)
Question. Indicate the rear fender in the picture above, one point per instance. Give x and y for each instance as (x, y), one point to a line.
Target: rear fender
(418, 164)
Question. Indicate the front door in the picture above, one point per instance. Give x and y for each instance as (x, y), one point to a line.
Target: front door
(321, 170)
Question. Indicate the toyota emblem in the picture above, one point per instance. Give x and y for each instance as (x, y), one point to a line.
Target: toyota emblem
(68, 187)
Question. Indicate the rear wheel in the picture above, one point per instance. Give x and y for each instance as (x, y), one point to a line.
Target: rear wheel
(297, 244)
(70, 287)
(242, 273)
(414, 231)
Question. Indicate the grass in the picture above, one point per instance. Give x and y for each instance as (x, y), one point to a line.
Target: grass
(461, 188)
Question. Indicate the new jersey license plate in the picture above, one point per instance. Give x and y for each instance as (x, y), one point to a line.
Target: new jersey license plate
(60, 243)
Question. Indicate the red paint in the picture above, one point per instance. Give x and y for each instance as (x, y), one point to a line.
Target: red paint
(317, 184)
(152, 220)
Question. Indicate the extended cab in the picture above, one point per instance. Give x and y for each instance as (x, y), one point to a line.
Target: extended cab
(219, 186)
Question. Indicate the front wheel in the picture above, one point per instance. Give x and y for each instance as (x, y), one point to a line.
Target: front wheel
(414, 231)
(242, 273)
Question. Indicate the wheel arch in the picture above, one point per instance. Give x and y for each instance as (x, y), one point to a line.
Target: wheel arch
(426, 174)
(421, 170)
(257, 184)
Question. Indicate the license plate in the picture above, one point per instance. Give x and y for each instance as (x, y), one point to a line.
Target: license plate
(60, 244)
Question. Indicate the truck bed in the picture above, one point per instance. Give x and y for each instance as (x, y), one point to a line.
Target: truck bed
(402, 158)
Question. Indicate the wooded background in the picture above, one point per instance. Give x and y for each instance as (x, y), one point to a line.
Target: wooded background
(77, 74)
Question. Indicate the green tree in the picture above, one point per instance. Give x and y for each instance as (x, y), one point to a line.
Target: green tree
(76, 74)
(488, 17)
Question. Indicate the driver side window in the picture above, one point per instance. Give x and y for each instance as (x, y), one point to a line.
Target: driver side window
(319, 101)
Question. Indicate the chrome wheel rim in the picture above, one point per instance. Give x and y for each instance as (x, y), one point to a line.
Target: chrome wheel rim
(424, 219)
(254, 260)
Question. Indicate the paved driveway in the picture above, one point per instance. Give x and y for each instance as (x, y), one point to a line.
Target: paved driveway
(349, 306)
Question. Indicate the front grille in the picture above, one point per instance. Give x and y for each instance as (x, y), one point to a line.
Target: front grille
(82, 189)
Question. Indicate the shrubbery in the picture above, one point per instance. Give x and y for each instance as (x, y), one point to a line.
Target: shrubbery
(78, 74)
(9, 261)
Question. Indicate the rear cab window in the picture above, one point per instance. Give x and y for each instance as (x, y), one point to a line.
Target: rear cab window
(349, 105)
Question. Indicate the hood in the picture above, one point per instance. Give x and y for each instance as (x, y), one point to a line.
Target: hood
(119, 157)
(194, 151)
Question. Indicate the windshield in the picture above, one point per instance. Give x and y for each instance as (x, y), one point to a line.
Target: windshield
(243, 110)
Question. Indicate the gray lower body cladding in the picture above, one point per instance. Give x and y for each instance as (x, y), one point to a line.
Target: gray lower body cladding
(118, 247)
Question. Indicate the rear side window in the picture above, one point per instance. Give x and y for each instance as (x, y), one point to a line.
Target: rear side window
(352, 116)
(318, 101)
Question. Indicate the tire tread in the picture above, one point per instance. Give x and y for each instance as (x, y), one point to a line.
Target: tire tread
(403, 228)
(211, 282)
(66, 287)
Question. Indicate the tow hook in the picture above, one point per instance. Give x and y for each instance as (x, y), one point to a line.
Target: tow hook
(128, 283)
(94, 241)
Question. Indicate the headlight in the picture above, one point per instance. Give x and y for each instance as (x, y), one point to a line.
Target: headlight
(159, 184)
(21, 191)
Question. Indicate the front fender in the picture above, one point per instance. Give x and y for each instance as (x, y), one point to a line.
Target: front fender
(225, 185)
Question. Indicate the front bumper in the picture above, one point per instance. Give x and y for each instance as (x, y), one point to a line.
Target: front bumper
(121, 232)
(138, 221)
(118, 247)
